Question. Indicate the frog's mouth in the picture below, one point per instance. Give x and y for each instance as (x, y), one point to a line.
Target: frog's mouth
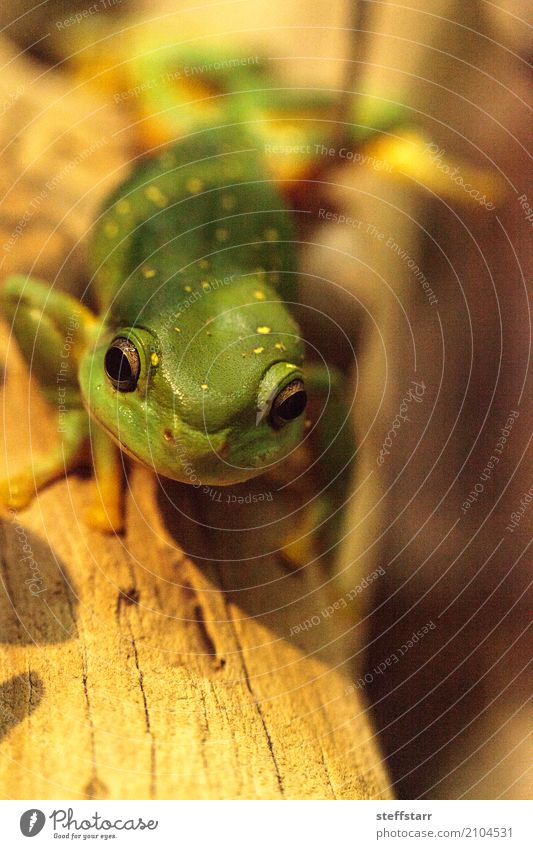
(153, 466)
(125, 448)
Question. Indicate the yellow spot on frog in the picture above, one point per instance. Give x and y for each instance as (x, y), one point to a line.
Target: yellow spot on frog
(111, 229)
(187, 288)
(290, 365)
(228, 202)
(280, 346)
(154, 359)
(263, 329)
(205, 285)
(271, 235)
(259, 295)
(204, 386)
(258, 350)
(222, 234)
(123, 207)
(155, 194)
(148, 272)
(177, 329)
(194, 185)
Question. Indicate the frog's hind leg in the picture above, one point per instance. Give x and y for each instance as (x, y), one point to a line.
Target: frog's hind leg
(50, 329)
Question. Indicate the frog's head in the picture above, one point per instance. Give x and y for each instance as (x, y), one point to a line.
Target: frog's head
(209, 393)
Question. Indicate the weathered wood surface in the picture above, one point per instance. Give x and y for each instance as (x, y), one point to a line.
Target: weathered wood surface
(158, 664)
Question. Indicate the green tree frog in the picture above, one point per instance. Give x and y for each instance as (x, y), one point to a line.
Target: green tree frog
(191, 362)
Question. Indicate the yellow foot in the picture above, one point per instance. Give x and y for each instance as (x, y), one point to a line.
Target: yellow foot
(299, 547)
(107, 520)
(17, 491)
(299, 552)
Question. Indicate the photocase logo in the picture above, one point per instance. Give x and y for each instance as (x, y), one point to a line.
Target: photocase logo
(32, 822)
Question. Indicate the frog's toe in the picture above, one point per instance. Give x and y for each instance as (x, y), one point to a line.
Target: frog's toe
(300, 547)
(298, 551)
(102, 519)
(16, 492)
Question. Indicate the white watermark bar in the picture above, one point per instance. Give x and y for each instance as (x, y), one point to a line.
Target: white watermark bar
(263, 824)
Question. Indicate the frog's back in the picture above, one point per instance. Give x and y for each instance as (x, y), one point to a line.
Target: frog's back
(203, 208)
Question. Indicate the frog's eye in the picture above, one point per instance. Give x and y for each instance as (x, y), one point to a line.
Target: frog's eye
(288, 404)
(123, 364)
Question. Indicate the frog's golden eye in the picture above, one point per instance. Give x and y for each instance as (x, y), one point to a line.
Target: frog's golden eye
(123, 364)
(288, 404)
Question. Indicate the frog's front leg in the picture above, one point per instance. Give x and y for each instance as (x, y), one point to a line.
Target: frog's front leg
(51, 329)
(106, 511)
